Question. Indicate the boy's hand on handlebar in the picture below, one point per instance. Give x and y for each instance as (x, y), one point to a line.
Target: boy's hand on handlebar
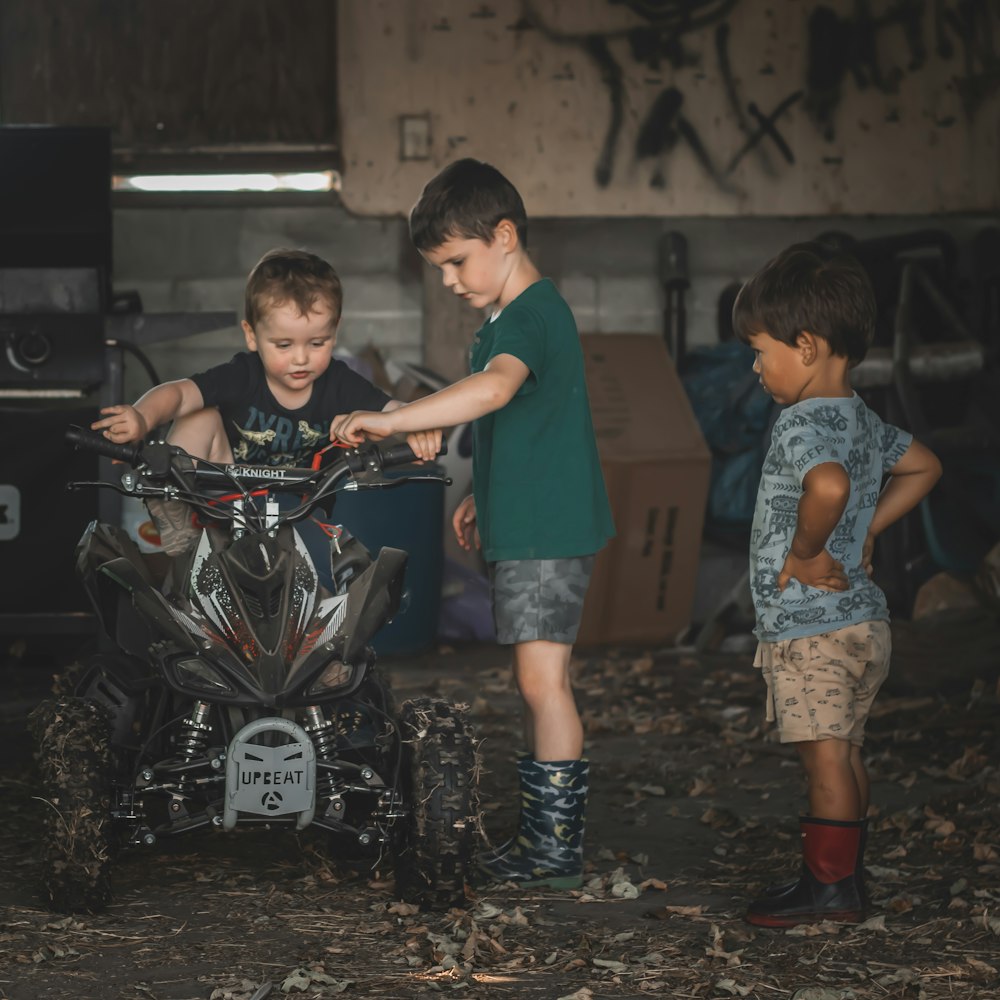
(424, 444)
(121, 424)
(361, 425)
(464, 523)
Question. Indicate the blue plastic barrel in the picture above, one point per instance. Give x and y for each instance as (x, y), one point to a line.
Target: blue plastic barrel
(408, 517)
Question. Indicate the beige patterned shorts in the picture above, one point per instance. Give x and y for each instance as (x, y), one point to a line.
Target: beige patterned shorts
(822, 686)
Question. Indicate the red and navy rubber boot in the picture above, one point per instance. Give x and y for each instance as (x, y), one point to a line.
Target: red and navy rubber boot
(828, 887)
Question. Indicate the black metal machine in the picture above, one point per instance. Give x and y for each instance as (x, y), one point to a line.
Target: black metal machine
(62, 335)
(55, 286)
(55, 259)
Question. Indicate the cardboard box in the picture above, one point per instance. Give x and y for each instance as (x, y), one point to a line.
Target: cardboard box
(656, 467)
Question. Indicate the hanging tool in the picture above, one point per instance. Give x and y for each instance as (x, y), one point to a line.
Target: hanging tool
(674, 276)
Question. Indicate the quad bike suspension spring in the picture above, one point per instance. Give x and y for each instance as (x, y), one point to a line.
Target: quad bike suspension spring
(192, 741)
(322, 732)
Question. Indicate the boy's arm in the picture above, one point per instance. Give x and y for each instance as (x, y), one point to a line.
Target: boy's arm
(468, 399)
(424, 444)
(910, 480)
(124, 423)
(826, 489)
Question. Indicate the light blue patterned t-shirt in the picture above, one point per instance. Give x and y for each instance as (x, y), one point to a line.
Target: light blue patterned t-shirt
(805, 435)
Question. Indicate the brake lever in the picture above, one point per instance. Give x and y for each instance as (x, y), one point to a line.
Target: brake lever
(100, 485)
(364, 483)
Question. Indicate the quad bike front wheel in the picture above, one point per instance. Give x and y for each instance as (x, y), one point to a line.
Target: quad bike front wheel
(439, 789)
(72, 750)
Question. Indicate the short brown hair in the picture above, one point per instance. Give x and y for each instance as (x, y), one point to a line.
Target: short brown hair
(468, 199)
(810, 286)
(284, 275)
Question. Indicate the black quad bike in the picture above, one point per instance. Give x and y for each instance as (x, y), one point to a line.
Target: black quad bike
(239, 690)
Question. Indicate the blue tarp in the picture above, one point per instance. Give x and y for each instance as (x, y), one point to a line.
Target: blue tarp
(735, 415)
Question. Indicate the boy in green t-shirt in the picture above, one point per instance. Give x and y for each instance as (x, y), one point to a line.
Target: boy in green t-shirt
(539, 509)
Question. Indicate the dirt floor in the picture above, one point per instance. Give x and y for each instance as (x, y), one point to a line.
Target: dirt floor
(693, 809)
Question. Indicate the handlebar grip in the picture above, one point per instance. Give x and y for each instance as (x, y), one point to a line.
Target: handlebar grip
(402, 454)
(397, 454)
(92, 441)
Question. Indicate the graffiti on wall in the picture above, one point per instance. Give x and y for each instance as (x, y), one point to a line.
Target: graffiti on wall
(850, 49)
(842, 51)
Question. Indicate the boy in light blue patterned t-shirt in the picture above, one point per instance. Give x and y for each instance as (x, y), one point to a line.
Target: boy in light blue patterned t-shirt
(822, 623)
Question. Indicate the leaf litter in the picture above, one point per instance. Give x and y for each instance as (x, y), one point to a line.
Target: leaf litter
(693, 810)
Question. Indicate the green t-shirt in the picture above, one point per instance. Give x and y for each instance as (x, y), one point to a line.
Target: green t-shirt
(535, 469)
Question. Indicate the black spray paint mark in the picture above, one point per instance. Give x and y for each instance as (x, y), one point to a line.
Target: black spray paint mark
(766, 127)
(732, 96)
(973, 25)
(669, 20)
(842, 46)
(611, 73)
(661, 131)
(680, 16)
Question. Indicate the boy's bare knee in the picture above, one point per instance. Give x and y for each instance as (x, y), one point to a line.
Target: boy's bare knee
(202, 435)
(820, 755)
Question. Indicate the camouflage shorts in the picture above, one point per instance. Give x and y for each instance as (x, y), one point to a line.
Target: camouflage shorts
(539, 598)
(822, 686)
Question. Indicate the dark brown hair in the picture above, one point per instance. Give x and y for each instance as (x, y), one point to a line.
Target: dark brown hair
(284, 275)
(468, 199)
(810, 287)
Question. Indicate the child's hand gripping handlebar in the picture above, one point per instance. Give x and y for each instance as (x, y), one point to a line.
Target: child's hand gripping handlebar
(166, 470)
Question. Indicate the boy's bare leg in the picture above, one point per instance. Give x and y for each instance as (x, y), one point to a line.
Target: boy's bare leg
(861, 778)
(833, 785)
(541, 670)
(202, 435)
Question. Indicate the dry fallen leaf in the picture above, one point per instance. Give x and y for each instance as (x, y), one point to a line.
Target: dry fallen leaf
(873, 924)
(822, 993)
(732, 987)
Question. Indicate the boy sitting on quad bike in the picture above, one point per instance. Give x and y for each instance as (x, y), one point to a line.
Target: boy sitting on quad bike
(271, 405)
(244, 689)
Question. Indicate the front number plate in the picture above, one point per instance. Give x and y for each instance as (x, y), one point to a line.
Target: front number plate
(270, 780)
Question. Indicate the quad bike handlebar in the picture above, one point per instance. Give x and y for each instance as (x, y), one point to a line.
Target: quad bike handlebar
(165, 470)
(92, 441)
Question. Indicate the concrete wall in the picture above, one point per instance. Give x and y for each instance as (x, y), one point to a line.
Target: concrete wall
(893, 113)
(608, 269)
(903, 138)
(196, 259)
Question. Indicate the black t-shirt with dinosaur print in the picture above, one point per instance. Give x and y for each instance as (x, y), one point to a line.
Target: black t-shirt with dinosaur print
(263, 432)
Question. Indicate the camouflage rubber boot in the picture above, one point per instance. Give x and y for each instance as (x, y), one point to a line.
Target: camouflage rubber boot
(524, 777)
(548, 849)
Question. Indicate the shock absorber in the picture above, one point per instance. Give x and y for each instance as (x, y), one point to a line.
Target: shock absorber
(321, 731)
(192, 741)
